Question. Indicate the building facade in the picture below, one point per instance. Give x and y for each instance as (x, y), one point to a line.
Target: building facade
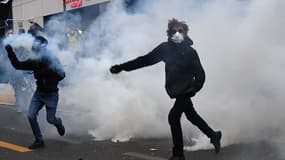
(40, 10)
(5, 13)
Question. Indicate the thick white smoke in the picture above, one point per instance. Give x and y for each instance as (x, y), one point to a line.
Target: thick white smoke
(19, 40)
(241, 44)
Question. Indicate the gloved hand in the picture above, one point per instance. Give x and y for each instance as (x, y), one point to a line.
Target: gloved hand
(9, 48)
(116, 69)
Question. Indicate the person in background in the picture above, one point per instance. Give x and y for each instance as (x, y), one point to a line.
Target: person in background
(185, 77)
(74, 37)
(20, 81)
(21, 31)
(10, 32)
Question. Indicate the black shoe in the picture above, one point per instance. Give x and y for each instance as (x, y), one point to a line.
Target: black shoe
(37, 145)
(216, 141)
(177, 158)
(60, 129)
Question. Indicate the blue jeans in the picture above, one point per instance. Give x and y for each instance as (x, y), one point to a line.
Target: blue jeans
(39, 99)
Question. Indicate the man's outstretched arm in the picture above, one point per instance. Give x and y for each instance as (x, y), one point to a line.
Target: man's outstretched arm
(24, 65)
(151, 58)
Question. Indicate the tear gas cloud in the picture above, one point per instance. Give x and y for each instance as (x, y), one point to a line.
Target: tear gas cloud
(241, 44)
(19, 40)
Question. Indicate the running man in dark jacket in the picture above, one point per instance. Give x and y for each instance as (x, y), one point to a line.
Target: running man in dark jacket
(47, 72)
(185, 76)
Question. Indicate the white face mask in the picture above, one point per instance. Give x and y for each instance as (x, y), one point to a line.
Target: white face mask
(177, 37)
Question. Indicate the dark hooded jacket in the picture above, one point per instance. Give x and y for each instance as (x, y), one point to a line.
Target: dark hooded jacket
(184, 73)
(35, 29)
(47, 70)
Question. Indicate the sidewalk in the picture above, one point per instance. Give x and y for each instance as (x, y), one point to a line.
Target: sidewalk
(6, 94)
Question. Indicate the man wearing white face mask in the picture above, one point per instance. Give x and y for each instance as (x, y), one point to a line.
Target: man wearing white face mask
(177, 37)
(185, 76)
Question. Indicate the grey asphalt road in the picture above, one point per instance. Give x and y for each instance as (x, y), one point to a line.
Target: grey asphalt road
(14, 129)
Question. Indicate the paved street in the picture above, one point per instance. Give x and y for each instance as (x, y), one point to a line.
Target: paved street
(14, 130)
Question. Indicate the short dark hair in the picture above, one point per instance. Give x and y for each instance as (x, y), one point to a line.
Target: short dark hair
(172, 22)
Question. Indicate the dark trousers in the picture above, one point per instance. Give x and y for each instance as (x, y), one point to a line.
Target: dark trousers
(184, 104)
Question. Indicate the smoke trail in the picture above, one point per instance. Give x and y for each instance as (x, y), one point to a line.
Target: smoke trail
(240, 44)
(19, 40)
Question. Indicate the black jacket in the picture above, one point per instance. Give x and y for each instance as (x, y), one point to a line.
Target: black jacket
(35, 29)
(47, 70)
(184, 73)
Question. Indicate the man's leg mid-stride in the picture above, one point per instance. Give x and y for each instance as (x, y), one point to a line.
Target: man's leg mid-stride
(176, 130)
(35, 106)
(198, 121)
(51, 101)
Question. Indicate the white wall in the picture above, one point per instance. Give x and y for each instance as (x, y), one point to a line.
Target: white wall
(36, 9)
